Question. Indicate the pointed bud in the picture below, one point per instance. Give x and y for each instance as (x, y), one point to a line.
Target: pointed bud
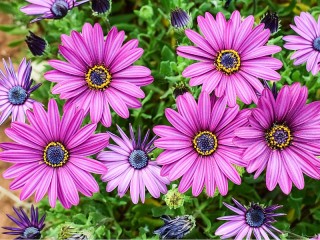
(36, 44)
(180, 89)
(101, 6)
(180, 19)
(271, 21)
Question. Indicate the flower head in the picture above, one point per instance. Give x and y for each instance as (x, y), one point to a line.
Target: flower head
(307, 43)
(27, 228)
(180, 19)
(254, 219)
(50, 9)
(101, 6)
(233, 57)
(130, 166)
(176, 228)
(199, 146)
(15, 90)
(271, 21)
(282, 138)
(99, 74)
(36, 44)
(50, 155)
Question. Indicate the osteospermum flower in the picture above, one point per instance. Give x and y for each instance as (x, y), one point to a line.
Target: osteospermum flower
(199, 146)
(232, 56)
(307, 44)
(254, 219)
(50, 9)
(36, 44)
(99, 74)
(130, 166)
(180, 19)
(27, 228)
(282, 138)
(50, 155)
(15, 90)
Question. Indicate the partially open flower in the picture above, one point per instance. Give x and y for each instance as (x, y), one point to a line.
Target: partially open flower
(36, 44)
(271, 22)
(180, 19)
(101, 6)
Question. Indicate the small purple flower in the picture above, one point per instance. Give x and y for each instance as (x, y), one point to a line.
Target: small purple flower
(15, 90)
(198, 146)
(271, 21)
(233, 56)
(283, 138)
(307, 43)
(28, 228)
(130, 167)
(50, 155)
(99, 73)
(180, 19)
(101, 6)
(50, 9)
(36, 44)
(254, 219)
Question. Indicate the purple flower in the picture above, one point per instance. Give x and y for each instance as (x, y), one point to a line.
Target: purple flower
(50, 9)
(130, 167)
(199, 146)
(254, 219)
(180, 19)
(15, 90)
(232, 56)
(283, 138)
(101, 6)
(271, 21)
(28, 228)
(36, 44)
(50, 155)
(99, 73)
(307, 43)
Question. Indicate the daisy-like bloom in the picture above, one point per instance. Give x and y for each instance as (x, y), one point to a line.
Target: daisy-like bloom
(15, 90)
(50, 9)
(130, 166)
(233, 56)
(199, 146)
(254, 219)
(307, 44)
(27, 228)
(282, 138)
(176, 228)
(50, 155)
(99, 74)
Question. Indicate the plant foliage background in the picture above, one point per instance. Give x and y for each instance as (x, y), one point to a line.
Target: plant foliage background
(107, 216)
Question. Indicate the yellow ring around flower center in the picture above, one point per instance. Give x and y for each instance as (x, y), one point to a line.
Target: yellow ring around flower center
(279, 137)
(98, 77)
(223, 61)
(205, 143)
(55, 154)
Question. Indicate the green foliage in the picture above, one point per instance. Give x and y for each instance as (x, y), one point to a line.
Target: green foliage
(105, 215)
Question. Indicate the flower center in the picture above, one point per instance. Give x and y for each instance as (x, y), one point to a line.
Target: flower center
(228, 61)
(98, 77)
(17, 95)
(255, 216)
(205, 143)
(279, 137)
(138, 159)
(31, 233)
(55, 154)
(316, 44)
(59, 9)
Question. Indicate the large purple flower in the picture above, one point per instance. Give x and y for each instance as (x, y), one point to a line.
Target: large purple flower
(50, 9)
(130, 166)
(99, 74)
(232, 56)
(254, 219)
(50, 155)
(27, 228)
(199, 146)
(15, 90)
(307, 44)
(283, 137)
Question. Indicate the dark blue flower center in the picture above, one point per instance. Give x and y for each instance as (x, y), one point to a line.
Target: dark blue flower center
(17, 95)
(255, 216)
(316, 44)
(98, 77)
(279, 137)
(205, 143)
(138, 159)
(228, 61)
(55, 154)
(31, 233)
(60, 8)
